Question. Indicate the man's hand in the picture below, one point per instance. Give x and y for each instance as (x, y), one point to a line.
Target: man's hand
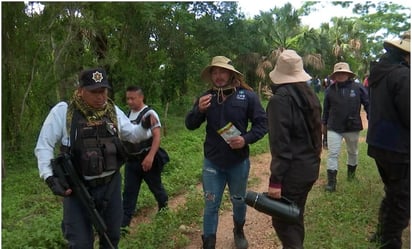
(237, 142)
(204, 102)
(56, 187)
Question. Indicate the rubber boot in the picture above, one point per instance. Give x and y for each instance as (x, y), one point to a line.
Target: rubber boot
(209, 242)
(239, 236)
(351, 172)
(331, 187)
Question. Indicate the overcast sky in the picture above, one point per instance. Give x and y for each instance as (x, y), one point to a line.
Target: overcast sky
(325, 11)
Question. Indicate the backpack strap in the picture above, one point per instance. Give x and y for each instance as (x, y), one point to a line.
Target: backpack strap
(141, 114)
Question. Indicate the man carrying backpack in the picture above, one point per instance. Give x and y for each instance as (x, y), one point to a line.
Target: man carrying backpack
(144, 161)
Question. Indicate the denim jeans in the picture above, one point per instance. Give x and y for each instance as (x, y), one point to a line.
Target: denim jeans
(215, 179)
(335, 145)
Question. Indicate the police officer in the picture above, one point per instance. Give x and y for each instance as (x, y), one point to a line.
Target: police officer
(143, 162)
(87, 128)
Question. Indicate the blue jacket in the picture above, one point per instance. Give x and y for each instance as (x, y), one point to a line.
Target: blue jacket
(239, 108)
(342, 106)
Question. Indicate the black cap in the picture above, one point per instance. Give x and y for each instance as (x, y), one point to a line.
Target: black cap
(93, 78)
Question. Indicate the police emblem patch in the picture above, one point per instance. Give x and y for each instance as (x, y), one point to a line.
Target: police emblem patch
(97, 76)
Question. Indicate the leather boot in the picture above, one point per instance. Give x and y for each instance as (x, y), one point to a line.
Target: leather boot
(239, 236)
(331, 187)
(351, 172)
(209, 242)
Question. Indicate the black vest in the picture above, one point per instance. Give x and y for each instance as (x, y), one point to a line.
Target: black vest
(94, 146)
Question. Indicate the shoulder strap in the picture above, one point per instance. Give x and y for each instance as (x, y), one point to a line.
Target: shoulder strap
(141, 114)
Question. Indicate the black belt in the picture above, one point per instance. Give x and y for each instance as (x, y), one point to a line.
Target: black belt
(99, 181)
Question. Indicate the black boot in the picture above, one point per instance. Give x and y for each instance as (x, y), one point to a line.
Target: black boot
(351, 172)
(239, 236)
(331, 187)
(209, 242)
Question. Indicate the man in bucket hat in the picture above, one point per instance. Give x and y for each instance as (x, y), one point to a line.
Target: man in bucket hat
(295, 141)
(227, 107)
(87, 129)
(388, 138)
(341, 118)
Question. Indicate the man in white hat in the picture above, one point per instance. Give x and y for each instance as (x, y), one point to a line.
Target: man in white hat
(341, 118)
(388, 138)
(227, 107)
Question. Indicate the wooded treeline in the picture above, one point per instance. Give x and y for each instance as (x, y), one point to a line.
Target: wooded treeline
(163, 46)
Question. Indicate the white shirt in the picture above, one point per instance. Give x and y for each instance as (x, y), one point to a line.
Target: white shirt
(54, 131)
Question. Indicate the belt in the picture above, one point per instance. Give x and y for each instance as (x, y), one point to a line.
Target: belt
(99, 181)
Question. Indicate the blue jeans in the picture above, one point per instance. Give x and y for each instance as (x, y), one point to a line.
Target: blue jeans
(215, 179)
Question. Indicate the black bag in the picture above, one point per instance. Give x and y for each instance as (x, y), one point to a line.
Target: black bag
(162, 158)
(283, 208)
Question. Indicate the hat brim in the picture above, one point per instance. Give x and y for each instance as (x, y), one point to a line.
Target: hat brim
(280, 78)
(205, 75)
(401, 44)
(96, 86)
(352, 75)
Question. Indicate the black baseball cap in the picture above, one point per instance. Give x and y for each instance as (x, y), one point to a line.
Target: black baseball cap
(93, 78)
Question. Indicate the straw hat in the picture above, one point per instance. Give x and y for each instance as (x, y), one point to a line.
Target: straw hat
(289, 69)
(342, 67)
(404, 43)
(218, 61)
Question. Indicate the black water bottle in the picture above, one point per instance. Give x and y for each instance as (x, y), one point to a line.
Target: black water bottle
(283, 208)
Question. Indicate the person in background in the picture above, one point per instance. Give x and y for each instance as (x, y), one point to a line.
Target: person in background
(341, 118)
(87, 128)
(143, 162)
(227, 107)
(388, 138)
(295, 139)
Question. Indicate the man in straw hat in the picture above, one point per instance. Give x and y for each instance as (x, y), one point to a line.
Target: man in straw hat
(388, 138)
(227, 108)
(341, 118)
(295, 140)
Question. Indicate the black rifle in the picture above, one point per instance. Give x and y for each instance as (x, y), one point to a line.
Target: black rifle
(65, 171)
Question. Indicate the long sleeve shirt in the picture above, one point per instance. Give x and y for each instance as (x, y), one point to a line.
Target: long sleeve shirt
(240, 108)
(54, 131)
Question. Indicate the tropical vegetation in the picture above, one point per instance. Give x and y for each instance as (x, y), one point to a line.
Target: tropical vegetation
(162, 47)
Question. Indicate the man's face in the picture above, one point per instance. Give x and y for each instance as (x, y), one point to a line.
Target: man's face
(341, 76)
(134, 100)
(220, 76)
(96, 98)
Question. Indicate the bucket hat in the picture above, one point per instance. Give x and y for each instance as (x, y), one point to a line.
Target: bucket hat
(342, 67)
(218, 61)
(288, 69)
(93, 78)
(404, 43)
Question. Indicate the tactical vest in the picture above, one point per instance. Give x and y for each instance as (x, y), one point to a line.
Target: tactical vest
(142, 147)
(95, 147)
